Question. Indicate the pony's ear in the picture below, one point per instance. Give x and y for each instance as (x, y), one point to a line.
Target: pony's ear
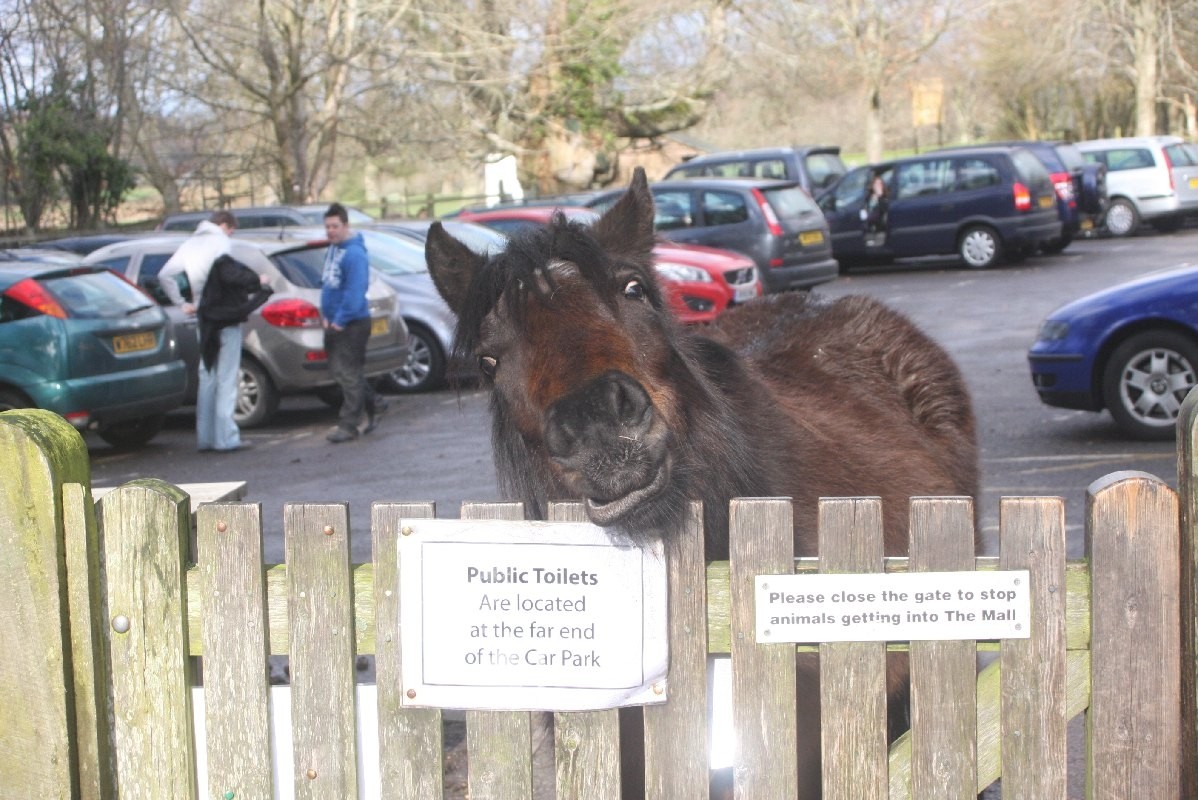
(627, 228)
(452, 265)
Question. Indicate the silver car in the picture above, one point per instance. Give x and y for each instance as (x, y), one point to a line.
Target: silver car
(397, 251)
(283, 341)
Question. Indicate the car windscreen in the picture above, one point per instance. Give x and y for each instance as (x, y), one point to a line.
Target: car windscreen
(95, 295)
(1071, 157)
(393, 254)
(479, 239)
(1030, 168)
(790, 201)
(824, 168)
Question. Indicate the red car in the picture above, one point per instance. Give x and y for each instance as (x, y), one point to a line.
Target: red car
(700, 282)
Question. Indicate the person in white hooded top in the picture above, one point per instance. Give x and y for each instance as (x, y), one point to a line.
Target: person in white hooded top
(216, 395)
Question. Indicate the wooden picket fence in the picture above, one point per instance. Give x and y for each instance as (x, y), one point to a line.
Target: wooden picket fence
(105, 612)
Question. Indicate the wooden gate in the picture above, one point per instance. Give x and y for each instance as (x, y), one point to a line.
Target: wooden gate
(106, 612)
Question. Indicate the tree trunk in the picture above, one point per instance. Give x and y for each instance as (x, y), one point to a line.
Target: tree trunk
(1146, 39)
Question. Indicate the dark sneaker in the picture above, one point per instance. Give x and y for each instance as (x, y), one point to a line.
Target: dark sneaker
(340, 435)
(372, 415)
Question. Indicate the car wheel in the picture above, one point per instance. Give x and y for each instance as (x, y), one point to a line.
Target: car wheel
(10, 400)
(425, 367)
(1057, 245)
(1121, 218)
(1145, 380)
(132, 433)
(979, 247)
(257, 398)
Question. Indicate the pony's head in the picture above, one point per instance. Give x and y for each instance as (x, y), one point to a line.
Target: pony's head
(569, 328)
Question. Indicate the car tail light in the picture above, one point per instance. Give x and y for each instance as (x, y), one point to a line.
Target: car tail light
(32, 294)
(291, 313)
(1023, 197)
(771, 219)
(79, 419)
(1168, 169)
(316, 355)
(1063, 183)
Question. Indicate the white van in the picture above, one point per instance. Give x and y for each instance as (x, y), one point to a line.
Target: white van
(1151, 179)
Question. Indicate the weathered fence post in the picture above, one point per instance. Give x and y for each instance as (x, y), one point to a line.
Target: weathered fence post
(1187, 487)
(51, 704)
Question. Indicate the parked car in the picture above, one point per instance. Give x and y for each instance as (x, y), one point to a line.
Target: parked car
(82, 245)
(1131, 349)
(699, 282)
(430, 322)
(775, 223)
(86, 344)
(263, 217)
(283, 341)
(1152, 179)
(1080, 186)
(814, 167)
(983, 204)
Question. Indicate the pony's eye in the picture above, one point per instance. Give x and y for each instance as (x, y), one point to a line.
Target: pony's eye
(487, 365)
(634, 289)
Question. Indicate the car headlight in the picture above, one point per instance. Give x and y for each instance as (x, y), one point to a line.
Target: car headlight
(1053, 330)
(682, 272)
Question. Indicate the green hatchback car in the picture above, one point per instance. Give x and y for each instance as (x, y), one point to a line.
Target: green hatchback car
(85, 343)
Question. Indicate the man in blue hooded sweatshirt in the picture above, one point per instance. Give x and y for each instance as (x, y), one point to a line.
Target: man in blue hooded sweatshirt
(347, 324)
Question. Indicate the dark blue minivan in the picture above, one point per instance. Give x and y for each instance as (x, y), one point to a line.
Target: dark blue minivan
(984, 204)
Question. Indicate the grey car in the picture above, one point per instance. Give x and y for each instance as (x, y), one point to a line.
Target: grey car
(283, 341)
(398, 249)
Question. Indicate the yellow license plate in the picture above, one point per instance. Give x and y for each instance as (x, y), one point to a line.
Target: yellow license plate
(811, 237)
(379, 326)
(134, 342)
(1047, 201)
(1194, 183)
(1087, 224)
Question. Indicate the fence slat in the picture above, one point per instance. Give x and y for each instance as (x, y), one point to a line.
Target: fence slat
(1133, 727)
(37, 752)
(587, 744)
(498, 743)
(1034, 721)
(146, 527)
(411, 763)
(761, 542)
(943, 674)
(1187, 482)
(676, 739)
(322, 651)
(853, 675)
(236, 688)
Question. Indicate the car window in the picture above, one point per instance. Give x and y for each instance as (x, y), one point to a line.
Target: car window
(393, 255)
(673, 210)
(147, 278)
(1030, 169)
(95, 295)
(824, 169)
(302, 267)
(790, 201)
(1179, 155)
(851, 188)
(476, 237)
(117, 264)
(1071, 157)
(724, 208)
(924, 178)
(976, 173)
(1128, 158)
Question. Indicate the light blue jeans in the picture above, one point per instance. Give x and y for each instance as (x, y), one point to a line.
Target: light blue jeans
(216, 396)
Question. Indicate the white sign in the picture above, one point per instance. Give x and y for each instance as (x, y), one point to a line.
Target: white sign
(529, 615)
(912, 606)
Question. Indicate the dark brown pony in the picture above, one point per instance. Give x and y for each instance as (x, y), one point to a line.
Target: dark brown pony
(597, 394)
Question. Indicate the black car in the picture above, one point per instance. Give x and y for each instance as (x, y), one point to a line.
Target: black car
(814, 167)
(776, 223)
(1080, 186)
(983, 204)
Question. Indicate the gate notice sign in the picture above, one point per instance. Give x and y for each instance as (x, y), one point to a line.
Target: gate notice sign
(529, 616)
(910, 606)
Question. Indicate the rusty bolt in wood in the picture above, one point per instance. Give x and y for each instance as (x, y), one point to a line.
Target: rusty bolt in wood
(328, 530)
(411, 694)
(222, 526)
(406, 530)
(311, 773)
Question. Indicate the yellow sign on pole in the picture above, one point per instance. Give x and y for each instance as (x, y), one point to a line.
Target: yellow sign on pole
(927, 100)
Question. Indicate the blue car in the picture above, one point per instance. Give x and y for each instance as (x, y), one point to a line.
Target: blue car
(1131, 349)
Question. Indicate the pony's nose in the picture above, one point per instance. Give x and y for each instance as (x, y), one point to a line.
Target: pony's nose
(608, 408)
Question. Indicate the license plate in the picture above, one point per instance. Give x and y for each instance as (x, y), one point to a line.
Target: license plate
(1047, 201)
(1087, 224)
(1194, 183)
(134, 342)
(379, 326)
(811, 237)
(743, 292)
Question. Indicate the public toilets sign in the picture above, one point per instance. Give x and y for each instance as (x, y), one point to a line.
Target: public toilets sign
(529, 615)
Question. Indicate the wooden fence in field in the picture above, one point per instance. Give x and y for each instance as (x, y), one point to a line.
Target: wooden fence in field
(105, 612)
